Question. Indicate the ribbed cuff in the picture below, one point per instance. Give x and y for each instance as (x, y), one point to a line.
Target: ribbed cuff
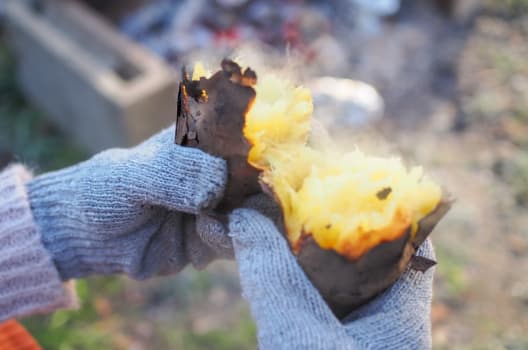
(29, 281)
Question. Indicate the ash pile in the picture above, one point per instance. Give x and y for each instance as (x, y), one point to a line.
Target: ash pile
(171, 28)
(404, 50)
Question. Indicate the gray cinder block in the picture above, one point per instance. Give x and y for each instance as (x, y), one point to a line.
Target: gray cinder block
(96, 84)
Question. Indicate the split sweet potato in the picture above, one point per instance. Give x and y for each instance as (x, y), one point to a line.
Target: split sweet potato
(213, 116)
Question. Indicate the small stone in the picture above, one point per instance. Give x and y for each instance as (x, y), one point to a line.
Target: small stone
(439, 313)
(518, 245)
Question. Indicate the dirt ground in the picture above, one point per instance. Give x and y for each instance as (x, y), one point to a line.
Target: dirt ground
(463, 116)
(474, 140)
(455, 100)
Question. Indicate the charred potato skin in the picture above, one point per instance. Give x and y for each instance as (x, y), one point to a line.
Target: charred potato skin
(211, 116)
(345, 285)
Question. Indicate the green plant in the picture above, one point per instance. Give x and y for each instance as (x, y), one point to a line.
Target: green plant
(74, 329)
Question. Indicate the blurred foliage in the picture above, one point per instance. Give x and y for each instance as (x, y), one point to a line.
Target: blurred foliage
(117, 313)
(74, 329)
(493, 75)
(515, 172)
(238, 338)
(451, 269)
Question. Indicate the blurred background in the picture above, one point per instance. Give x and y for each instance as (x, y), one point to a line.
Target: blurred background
(442, 83)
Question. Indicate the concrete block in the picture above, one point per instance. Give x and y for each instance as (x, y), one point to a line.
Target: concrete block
(96, 84)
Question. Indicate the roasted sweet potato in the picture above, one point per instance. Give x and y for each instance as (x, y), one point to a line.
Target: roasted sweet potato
(353, 221)
(346, 284)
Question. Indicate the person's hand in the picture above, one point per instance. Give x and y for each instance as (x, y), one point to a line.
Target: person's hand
(129, 210)
(291, 314)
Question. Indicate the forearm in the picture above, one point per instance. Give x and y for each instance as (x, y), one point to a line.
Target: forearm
(29, 281)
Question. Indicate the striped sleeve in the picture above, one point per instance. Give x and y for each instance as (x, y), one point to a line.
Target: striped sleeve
(29, 281)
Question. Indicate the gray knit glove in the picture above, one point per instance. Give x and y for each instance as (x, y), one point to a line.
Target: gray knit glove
(290, 313)
(127, 210)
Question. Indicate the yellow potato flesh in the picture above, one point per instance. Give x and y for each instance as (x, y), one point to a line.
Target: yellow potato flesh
(337, 198)
(348, 202)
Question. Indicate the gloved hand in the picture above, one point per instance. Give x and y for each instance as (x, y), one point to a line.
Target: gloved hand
(291, 314)
(127, 210)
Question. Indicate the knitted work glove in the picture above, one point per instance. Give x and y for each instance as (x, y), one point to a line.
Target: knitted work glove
(290, 313)
(126, 210)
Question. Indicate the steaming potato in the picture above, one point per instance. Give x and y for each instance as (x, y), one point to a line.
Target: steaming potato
(354, 221)
(348, 202)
